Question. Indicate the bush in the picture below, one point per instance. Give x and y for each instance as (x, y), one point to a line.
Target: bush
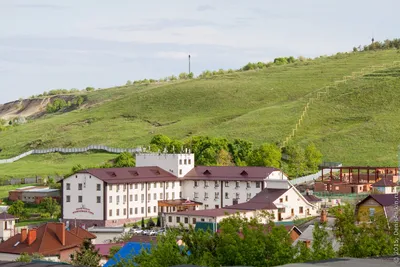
(150, 223)
(57, 105)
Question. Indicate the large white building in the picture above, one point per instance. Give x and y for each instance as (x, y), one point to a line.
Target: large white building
(161, 183)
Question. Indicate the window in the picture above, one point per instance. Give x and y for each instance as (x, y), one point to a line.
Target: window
(155, 196)
(202, 219)
(124, 199)
(117, 199)
(79, 186)
(205, 184)
(196, 183)
(117, 188)
(117, 212)
(98, 199)
(216, 184)
(142, 198)
(190, 161)
(110, 186)
(173, 185)
(216, 195)
(161, 197)
(136, 210)
(180, 162)
(281, 200)
(110, 213)
(180, 183)
(180, 194)
(130, 197)
(68, 186)
(371, 212)
(258, 184)
(170, 219)
(185, 162)
(186, 220)
(80, 199)
(226, 195)
(300, 210)
(68, 199)
(248, 185)
(180, 171)
(124, 211)
(124, 187)
(286, 198)
(148, 197)
(130, 211)
(155, 209)
(110, 199)
(142, 186)
(237, 195)
(142, 210)
(248, 195)
(136, 197)
(226, 184)
(193, 221)
(130, 186)
(167, 196)
(136, 186)
(178, 219)
(173, 195)
(98, 187)
(237, 184)
(205, 206)
(148, 210)
(167, 185)
(196, 194)
(217, 206)
(205, 195)
(155, 185)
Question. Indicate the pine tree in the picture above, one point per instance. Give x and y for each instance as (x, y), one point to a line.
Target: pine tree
(158, 221)
(87, 255)
(142, 222)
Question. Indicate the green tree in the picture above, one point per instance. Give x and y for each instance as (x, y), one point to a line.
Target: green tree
(265, 155)
(190, 75)
(25, 257)
(89, 89)
(240, 151)
(51, 206)
(297, 160)
(17, 209)
(183, 76)
(113, 250)
(313, 157)
(161, 141)
(87, 255)
(224, 158)
(128, 83)
(322, 243)
(158, 224)
(142, 223)
(150, 223)
(124, 159)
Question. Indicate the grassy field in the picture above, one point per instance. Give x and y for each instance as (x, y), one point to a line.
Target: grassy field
(355, 125)
(34, 222)
(51, 164)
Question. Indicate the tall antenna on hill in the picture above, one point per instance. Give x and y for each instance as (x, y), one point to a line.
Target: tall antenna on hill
(372, 39)
(189, 65)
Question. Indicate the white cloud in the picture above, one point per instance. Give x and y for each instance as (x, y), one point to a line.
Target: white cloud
(173, 55)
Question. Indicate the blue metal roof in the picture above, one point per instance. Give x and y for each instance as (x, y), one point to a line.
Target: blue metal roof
(128, 251)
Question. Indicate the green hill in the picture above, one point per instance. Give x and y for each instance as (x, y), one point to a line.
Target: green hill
(356, 124)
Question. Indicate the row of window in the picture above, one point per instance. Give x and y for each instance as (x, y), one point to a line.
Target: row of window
(237, 184)
(150, 185)
(185, 161)
(80, 186)
(286, 199)
(216, 195)
(131, 210)
(80, 199)
(186, 220)
(110, 198)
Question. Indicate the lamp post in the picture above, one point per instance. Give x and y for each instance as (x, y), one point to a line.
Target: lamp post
(189, 64)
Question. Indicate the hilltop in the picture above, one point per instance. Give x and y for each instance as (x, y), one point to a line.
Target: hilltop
(356, 124)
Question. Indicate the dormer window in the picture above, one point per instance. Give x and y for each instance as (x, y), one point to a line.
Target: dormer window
(207, 172)
(134, 173)
(112, 174)
(244, 173)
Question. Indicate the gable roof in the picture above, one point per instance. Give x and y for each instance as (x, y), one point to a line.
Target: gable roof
(312, 198)
(231, 173)
(384, 200)
(82, 233)
(384, 183)
(131, 175)
(46, 243)
(261, 201)
(6, 216)
(208, 213)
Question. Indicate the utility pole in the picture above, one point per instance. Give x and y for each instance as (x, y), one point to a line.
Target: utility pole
(189, 64)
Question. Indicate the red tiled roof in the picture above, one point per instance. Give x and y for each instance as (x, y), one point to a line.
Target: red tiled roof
(230, 173)
(209, 213)
(131, 175)
(384, 182)
(47, 243)
(82, 233)
(6, 216)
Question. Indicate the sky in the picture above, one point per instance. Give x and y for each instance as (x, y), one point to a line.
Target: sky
(52, 44)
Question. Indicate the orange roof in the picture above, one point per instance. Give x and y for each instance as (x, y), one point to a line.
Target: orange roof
(47, 243)
(82, 233)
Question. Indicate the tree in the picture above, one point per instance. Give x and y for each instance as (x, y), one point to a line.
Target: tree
(25, 257)
(125, 159)
(128, 83)
(87, 255)
(158, 221)
(160, 141)
(150, 223)
(51, 206)
(240, 151)
(191, 75)
(313, 157)
(322, 245)
(297, 160)
(113, 250)
(183, 76)
(17, 209)
(224, 158)
(265, 155)
(142, 222)
(89, 89)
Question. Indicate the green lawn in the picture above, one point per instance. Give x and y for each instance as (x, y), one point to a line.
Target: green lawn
(357, 124)
(34, 222)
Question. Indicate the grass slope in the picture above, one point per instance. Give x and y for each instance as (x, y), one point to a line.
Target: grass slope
(261, 106)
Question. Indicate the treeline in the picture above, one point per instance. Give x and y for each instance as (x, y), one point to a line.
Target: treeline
(385, 45)
(247, 242)
(60, 104)
(62, 92)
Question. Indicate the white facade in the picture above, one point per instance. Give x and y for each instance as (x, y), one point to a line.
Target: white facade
(7, 228)
(83, 197)
(176, 164)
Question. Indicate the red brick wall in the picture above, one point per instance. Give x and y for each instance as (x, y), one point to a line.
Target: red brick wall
(13, 196)
(65, 255)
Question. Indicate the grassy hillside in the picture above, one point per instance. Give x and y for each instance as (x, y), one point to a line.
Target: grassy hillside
(356, 125)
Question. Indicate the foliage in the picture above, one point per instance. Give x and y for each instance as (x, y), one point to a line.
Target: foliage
(150, 223)
(158, 224)
(313, 157)
(90, 89)
(25, 257)
(265, 155)
(128, 83)
(124, 159)
(322, 245)
(240, 151)
(87, 255)
(17, 209)
(142, 223)
(122, 238)
(224, 158)
(297, 160)
(57, 105)
(114, 250)
(51, 206)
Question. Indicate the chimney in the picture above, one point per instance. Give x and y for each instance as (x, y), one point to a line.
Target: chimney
(60, 232)
(24, 235)
(31, 236)
(307, 192)
(323, 216)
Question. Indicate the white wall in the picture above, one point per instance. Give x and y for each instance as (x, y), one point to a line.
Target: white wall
(172, 163)
(6, 233)
(89, 195)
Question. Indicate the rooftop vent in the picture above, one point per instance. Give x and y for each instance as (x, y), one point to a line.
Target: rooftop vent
(244, 173)
(207, 172)
(156, 172)
(112, 174)
(134, 173)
